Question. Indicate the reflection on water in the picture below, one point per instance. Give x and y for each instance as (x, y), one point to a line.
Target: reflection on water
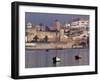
(43, 58)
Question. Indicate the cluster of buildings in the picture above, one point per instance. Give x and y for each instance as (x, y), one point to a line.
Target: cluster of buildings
(77, 28)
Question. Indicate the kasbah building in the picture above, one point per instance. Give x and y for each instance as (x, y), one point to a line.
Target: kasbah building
(59, 35)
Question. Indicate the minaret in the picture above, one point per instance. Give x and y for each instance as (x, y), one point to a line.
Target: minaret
(57, 25)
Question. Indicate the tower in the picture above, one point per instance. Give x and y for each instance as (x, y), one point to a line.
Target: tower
(57, 25)
(61, 34)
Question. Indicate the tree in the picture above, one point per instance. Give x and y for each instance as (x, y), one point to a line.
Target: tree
(36, 38)
(47, 28)
(41, 26)
(46, 38)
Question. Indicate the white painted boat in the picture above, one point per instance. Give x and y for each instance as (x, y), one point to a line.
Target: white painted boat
(30, 44)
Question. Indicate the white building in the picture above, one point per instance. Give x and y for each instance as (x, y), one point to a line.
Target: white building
(29, 25)
(67, 25)
(80, 23)
(38, 28)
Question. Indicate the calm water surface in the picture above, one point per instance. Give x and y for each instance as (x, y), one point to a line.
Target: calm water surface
(43, 58)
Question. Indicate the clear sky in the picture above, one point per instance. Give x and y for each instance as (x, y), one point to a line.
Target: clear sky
(49, 18)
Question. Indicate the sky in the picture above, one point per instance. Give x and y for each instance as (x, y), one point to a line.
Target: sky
(49, 18)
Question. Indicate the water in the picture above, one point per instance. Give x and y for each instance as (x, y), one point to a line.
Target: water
(43, 58)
